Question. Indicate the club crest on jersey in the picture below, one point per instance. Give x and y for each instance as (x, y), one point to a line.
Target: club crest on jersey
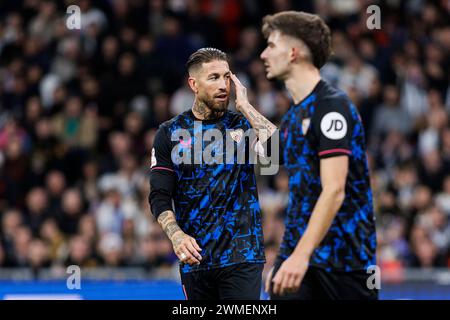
(237, 135)
(333, 126)
(305, 125)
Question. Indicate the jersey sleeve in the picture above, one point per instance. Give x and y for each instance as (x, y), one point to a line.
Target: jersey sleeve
(161, 152)
(332, 125)
(162, 175)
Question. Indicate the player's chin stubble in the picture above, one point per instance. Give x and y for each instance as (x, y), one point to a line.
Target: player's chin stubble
(216, 107)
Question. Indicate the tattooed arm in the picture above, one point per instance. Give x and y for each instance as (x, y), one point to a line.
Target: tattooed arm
(185, 247)
(162, 185)
(264, 128)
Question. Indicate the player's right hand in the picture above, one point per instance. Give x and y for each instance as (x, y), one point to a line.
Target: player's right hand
(186, 248)
(241, 92)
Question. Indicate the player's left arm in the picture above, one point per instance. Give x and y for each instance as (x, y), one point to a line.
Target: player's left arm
(333, 173)
(332, 127)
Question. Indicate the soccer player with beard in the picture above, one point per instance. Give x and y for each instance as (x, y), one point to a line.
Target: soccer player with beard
(215, 225)
(329, 240)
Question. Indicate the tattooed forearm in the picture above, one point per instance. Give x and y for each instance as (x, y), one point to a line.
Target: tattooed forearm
(168, 223)
(264, 128)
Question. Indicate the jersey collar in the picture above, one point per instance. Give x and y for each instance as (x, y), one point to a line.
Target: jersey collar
(319, 85)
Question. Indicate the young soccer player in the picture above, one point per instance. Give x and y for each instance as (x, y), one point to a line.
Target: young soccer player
(329, 240)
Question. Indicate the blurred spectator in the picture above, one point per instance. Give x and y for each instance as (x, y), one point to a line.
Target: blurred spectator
(357, 74)
(87, 228)
(11, 222)
(443, 198)
(413, 91)
(88, 182)
(433, 170)
(81, 253)
(22, 240)
(42, 26)
(14, 172)
(390, 117)
(76, 128)
(38, 255)
(155, 251)
(36, 209)
(55, 185)
(54, 239)
(182, 99)
(126, 179)
(110, 248)
(112, 211)
(72, 209)
(425, 252)
(91, 15)
(119, 145)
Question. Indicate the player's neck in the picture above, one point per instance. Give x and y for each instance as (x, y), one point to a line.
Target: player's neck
(202, 112)
(302, 81)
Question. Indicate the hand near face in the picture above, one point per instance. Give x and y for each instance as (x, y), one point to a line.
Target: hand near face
(241, 93)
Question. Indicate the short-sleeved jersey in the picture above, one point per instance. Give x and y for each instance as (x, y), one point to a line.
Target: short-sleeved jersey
(216, 203)
(327, 124)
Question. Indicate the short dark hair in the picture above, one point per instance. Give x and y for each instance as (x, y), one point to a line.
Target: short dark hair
(205, 55)
(309, 28)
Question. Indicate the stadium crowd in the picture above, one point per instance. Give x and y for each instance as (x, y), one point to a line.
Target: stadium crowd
(79, 110)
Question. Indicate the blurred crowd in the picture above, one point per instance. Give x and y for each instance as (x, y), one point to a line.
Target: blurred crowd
(79, 110)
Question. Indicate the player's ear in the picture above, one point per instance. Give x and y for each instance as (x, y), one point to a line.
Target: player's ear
(294, 54)
(193, 84)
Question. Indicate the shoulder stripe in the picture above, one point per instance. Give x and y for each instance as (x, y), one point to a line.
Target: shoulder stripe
(321, 153)
(162, 168)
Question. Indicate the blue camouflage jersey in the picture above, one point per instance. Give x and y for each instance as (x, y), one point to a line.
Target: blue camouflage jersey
(327, 124)
(215, 203)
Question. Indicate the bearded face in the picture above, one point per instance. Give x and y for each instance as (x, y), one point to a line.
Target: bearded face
(217, 101)
(211, 83)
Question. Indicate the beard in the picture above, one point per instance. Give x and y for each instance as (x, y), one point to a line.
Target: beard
(214, 105)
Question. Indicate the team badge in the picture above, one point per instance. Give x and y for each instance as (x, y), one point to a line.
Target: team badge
(237, 135)
(305, 125)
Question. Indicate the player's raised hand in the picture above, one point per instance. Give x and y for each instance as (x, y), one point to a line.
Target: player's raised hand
(241, 92)
(186, 248)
